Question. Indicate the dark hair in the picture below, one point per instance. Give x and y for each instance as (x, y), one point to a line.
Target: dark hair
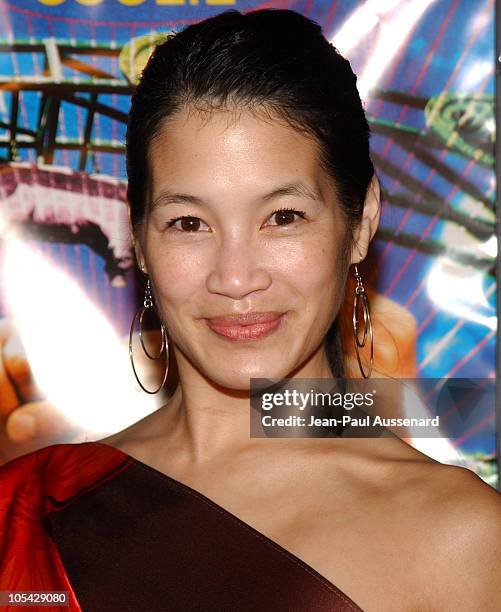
(271, 59)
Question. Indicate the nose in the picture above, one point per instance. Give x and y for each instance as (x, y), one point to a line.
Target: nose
(237, 269)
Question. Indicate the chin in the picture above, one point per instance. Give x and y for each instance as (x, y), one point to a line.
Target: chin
(239, 379)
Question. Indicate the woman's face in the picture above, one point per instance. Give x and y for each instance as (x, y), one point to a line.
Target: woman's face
(235, 253)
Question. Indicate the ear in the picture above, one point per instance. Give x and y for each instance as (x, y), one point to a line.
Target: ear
(369, 222)
(136, 244)
(141, 261)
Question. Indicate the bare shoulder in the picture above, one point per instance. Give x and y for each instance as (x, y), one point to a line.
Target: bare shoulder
(449, 522)
(460, 540)
(460, 497)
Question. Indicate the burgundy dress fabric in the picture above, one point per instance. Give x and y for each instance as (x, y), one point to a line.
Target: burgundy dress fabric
(138, 540)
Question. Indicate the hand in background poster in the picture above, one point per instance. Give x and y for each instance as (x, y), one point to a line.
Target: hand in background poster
(27, 420)
(395, 334)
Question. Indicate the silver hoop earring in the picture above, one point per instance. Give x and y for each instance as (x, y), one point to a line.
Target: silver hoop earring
(360, 295)
(148, 303)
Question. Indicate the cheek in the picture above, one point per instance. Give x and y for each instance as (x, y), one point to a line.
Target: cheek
(175, 272)
(313, 265)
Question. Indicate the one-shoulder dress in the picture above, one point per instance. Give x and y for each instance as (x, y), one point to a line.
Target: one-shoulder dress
(116, 534)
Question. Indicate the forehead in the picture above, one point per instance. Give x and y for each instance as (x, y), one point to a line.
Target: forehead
(226, 148)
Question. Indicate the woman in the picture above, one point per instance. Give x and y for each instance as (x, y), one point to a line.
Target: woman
(252, 200)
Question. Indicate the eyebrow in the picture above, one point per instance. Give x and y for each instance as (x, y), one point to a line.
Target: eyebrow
(295, 189)
(298, 189)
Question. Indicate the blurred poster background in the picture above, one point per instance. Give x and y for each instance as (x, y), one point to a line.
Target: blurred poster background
(69, 289)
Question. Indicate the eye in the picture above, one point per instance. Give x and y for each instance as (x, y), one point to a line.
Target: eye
(286, 216)
(187, 224)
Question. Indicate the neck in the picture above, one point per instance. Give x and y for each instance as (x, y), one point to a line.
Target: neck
(208, 420)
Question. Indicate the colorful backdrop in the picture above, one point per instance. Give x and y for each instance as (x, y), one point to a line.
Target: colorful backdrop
(67, 68)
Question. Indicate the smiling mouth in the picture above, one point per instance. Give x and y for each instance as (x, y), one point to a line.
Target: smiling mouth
(250, 326)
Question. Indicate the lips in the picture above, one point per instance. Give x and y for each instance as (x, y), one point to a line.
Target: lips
(248, 326)
(249, 318)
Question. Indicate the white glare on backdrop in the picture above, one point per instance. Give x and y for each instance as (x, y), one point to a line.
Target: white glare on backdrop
(77, 359)
(384, 27)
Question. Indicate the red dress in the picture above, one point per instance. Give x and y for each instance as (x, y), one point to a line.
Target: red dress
(117, 534)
